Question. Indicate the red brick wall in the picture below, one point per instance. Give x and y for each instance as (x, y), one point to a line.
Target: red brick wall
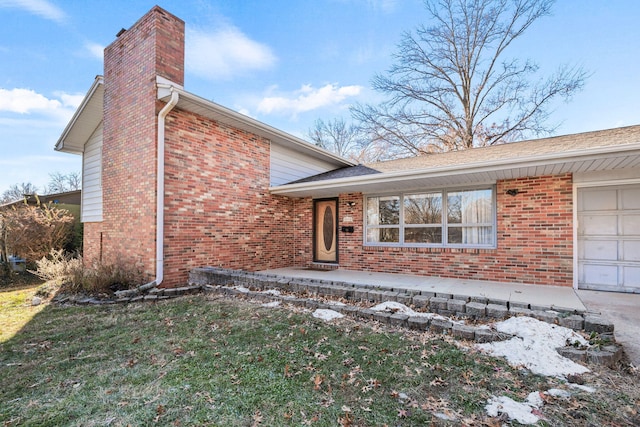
(534, 231)
(91, 247)
(218, 211)
(153, 46)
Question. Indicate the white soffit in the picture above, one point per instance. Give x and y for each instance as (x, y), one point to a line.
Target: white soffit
(609, 158)
(84, 121)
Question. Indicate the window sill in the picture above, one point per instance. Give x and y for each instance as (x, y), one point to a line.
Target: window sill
(429, 249)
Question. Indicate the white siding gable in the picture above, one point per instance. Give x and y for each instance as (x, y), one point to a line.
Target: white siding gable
(92, 178)
(289, 165)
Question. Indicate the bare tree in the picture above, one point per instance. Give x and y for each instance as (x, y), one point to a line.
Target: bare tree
(60, 183)
(348, 140)
(454, 87)
(18, 191)
(335, 136)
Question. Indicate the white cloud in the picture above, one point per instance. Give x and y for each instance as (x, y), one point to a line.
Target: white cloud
(39, 109)
(26, 101)
(96, 50)
(42, 8)
(70, 100)
(386, 6)
(224, 53)
(308, 98)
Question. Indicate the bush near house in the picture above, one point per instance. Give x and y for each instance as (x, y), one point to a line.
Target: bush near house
(69, 273)
(32, 231)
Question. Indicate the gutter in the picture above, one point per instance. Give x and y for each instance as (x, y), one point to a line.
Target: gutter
(160, 193)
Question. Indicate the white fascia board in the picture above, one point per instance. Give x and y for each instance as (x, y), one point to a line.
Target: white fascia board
(77, 116)
(457, 170)
(246, 123)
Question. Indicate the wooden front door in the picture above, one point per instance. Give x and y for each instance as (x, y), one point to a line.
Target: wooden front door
(325, 227)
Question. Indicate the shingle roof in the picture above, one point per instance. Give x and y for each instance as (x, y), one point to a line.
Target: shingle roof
(525, 149)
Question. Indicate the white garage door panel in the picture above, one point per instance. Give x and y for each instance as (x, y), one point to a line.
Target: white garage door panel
(631, 250)
(600, 274)
(595, 250)
(599, 225)
(631, 225)
(632, 276)
(597, 200)
(631, 198)
(608, 246)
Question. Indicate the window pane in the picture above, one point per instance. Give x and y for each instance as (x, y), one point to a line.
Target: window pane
(383, 235)
(470, 235)
(469, 207)
(383, 210)
(423, 235)
(423, 208)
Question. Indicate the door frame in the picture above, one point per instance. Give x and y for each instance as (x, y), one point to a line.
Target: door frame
(315, 229)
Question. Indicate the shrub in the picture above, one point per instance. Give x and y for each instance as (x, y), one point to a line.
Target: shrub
(107, 278)
(68, 271)
(33, 231)
(62, 268)
(5, 272)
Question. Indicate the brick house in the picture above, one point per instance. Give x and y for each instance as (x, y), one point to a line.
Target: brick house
(172, 181)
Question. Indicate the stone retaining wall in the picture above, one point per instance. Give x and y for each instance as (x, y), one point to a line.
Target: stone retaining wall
(450, 305)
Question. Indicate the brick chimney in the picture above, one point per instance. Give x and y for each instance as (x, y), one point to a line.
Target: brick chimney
(153, 46)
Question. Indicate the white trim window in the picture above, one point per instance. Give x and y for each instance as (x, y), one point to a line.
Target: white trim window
(445, 218)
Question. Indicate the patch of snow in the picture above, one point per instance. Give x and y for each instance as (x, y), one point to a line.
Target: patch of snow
(327, 315)
(272, 292)
(556, 392)
(583, 387)
(242, 289)
(534, 346)
(396, 307)
(519, 411)
(271, 304)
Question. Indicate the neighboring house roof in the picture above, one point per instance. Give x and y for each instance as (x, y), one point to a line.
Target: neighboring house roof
(89, 115)
(590, 151)
(67, 197)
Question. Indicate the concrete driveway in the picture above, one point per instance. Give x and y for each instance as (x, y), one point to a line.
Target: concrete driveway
(624, 311)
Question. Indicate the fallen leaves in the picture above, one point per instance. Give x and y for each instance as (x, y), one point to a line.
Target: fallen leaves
(257, 419)
(317, 381)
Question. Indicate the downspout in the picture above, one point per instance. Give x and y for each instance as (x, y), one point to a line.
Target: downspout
(160, 192)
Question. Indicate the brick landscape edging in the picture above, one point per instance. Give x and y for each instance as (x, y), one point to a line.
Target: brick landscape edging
(450, 305)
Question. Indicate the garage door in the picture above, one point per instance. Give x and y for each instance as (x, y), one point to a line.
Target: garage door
(609, 238)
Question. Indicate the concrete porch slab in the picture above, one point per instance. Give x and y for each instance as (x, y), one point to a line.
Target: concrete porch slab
(536, 295)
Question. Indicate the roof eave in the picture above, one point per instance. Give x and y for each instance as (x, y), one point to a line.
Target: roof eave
(69, 142)
(188, 100)
(366, 182)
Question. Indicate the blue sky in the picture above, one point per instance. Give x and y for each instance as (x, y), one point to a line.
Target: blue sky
(286, 62)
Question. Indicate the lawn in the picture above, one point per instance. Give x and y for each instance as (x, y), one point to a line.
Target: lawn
(204, 360)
